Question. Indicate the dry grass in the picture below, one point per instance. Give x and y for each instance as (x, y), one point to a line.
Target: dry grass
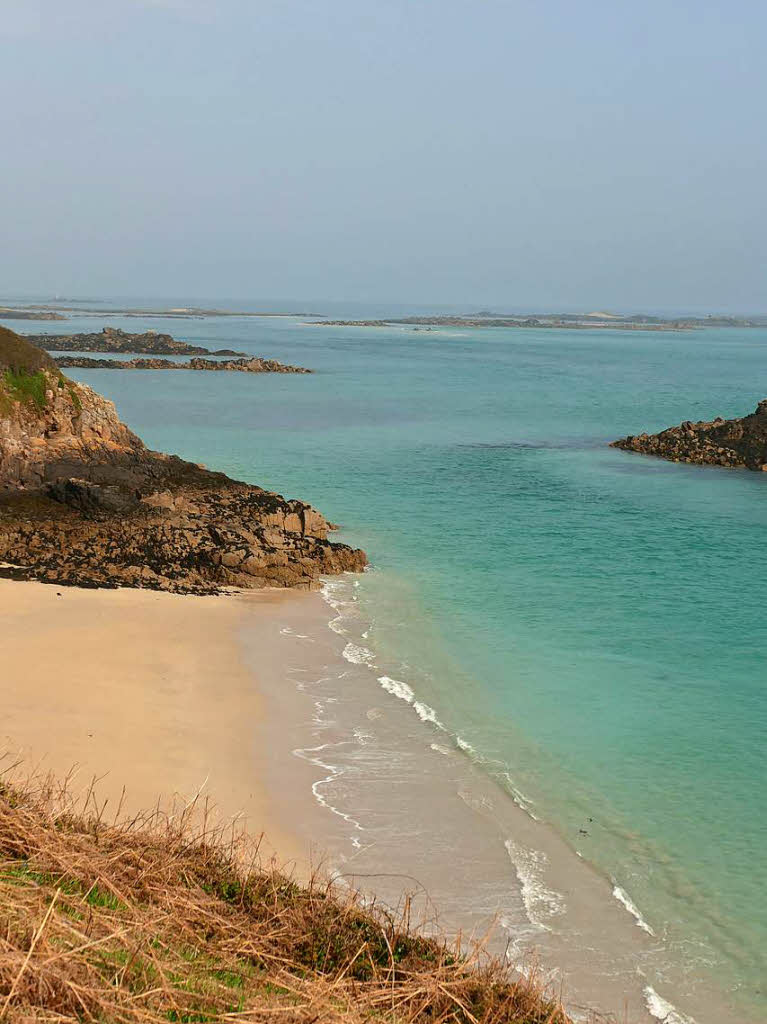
(21, 356)
(164, 919)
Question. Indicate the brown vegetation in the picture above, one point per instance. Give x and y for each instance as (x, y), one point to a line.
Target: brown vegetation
(20, 356)
(164, 918)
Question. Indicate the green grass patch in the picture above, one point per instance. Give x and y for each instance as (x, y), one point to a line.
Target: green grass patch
(103, 898)
(21, 873)
(229, 978)
(27, 388)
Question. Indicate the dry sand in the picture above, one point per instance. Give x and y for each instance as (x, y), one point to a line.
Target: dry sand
(144, 690)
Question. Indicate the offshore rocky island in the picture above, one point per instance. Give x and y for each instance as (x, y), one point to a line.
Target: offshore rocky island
(113, 339)
(735, 443)
(154, 344)
(83, 501)
(253, 365)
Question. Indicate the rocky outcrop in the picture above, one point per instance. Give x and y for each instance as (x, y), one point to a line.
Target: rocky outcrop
(83, 501)
(112, 339)
(188, 539)
(736, 443)
(254, 365)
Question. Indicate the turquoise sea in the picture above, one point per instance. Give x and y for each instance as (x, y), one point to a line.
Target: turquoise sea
(593, 623)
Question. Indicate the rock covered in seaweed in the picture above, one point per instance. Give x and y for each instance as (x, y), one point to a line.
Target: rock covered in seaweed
(737, 443)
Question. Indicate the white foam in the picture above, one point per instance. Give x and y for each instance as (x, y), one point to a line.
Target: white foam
(519, 797)
(357, 654)
(288, 631)
(441, 750)
(663, 1010)
(464, 746)
(623, 897)
(397, 688)
(427, 714)
(541, 903)
(310, 754)
(334, 592)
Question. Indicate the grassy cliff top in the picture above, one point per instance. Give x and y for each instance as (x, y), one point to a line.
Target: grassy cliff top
(25, 374)
(161, 919)
(21, 356)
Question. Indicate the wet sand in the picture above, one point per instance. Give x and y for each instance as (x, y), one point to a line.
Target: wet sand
(390, 803)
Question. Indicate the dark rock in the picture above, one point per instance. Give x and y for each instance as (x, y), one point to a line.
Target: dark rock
(251, 365)
(112, 339)
(737, 443)
(90, 498)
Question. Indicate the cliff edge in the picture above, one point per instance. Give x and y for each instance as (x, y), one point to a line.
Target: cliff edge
(83, 500)
(737, 443)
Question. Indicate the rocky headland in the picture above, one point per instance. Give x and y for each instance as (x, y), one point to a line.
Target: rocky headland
(254, 365)
(112, 339)
(736, 443)
(84, 502)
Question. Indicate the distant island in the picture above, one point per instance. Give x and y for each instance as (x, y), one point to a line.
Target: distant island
(10, 313)
(54, 311)
(112, 339)
(560, 321)
(252, 365)
(736, 443)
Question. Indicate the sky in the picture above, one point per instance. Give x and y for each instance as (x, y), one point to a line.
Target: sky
(517, 154)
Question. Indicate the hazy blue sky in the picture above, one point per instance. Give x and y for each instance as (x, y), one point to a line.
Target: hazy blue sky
(520, 153)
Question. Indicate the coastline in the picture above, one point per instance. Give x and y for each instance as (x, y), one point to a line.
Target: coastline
(394, 804)
(270, 703)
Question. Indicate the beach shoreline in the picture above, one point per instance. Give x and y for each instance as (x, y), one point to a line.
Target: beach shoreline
(270, 704)
(394, 804)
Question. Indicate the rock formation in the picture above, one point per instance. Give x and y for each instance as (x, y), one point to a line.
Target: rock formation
(254, 365)
(83, 501)
(112, 339)
(739, 443)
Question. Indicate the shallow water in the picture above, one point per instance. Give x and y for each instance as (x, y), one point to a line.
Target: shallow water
(591, 622)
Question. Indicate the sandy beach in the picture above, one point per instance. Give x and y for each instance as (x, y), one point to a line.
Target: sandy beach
(253, 701)
(143, 690)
